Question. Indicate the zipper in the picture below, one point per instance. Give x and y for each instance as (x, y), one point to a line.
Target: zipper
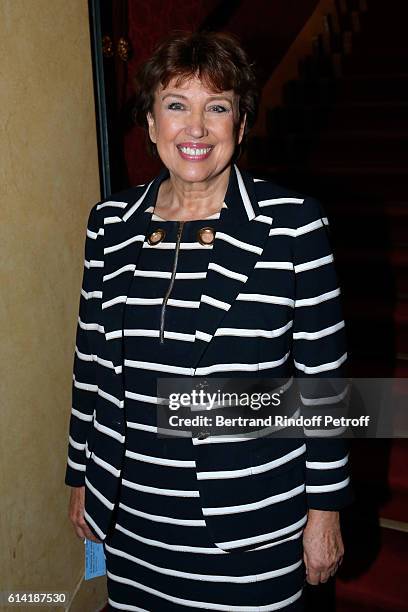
(173, 276)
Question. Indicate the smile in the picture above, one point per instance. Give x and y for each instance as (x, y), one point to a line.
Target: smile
(194, 153)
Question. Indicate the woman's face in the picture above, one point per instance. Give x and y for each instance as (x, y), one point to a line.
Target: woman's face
(195, 129)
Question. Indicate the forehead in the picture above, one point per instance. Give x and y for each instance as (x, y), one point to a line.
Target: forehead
(192, 86)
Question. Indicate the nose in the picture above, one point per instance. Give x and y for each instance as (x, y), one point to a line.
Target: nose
(196, 124)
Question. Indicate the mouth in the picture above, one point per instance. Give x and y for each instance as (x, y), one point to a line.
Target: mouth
(195, 153)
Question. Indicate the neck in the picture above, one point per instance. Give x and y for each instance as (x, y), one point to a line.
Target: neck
(180, 200)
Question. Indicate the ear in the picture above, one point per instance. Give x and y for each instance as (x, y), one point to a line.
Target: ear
(152, 126)
(241, 129)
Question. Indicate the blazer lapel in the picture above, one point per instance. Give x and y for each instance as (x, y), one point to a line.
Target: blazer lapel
(239, 241)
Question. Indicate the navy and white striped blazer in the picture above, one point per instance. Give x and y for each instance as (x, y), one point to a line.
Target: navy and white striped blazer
(271, 307)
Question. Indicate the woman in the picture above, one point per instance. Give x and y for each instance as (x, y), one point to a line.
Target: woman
(204, 271)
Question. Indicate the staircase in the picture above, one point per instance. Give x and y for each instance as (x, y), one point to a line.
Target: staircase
(341, 135)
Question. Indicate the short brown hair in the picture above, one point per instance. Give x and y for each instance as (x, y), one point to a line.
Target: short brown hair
(217, 58)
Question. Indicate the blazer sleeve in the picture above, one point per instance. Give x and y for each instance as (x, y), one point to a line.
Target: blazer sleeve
(84, 383)
(320, 352)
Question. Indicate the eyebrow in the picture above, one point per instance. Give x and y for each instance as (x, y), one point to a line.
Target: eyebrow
(177, 95)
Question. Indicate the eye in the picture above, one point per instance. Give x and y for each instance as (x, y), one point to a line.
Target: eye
(175, 106)
(219, 108)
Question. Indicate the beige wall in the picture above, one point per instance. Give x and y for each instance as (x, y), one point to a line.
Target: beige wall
(48, 183)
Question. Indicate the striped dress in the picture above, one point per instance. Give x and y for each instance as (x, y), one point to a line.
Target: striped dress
(160, 555)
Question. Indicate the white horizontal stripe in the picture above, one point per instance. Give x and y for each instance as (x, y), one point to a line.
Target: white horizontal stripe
(175, 547)
(292, 537)
(318, 334)
(207, 299)
(89, 357)
(203, 336)
(161, 367)
(276, 265)
(304, 229)
(127, 268)
(109, 432)
(197, 604)
(125, 243)
(93, 263)
(158, 491)
(148, 333)
(207, 577)
(84, 386)
(253, 333)
(334, 432)
(256, 469)
(326, 465)
(80, 467)
(263, 537)
(110, 398)
(91, 326)
(268, 299)
(139, 301)
(157, 518)
(161, 460)
(226, 272)
(323, 297)
(239, 243)
(142, 427)
(264, 219)
(78, 445)
(105, 465)
(110, 220)
(152, 273)
(179, 275)
(90, 520)
(258, 180)
(262, 503)
(282, 231)
(81, 415)
(320, 401)
(119, 299)
(99, 495)
(324, 367)
(183, 303)
(179, 336)
(314, 263)
(94, 235)
(244, 367)
(274, 201)
(184, 246)
(113, 203)
(335, 486)
(151, 399)
(113, 335)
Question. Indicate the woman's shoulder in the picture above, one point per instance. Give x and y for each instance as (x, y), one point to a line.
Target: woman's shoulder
(288, 205)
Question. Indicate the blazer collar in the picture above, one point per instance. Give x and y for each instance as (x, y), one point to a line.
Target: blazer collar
(240, 196)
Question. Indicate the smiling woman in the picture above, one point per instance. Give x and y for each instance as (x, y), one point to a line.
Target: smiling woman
(204, 271)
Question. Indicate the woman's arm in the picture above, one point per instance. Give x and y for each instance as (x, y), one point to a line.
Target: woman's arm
(84, 385)
(319, 348)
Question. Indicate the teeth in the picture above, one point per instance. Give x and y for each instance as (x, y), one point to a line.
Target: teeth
(189, 151)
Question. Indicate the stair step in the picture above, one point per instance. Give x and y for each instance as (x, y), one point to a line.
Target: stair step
(379, 583)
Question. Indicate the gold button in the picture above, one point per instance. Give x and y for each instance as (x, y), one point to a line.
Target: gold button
(156, 237)
(206, 235)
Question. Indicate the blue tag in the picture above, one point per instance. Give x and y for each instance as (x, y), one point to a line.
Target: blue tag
(94, 560)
